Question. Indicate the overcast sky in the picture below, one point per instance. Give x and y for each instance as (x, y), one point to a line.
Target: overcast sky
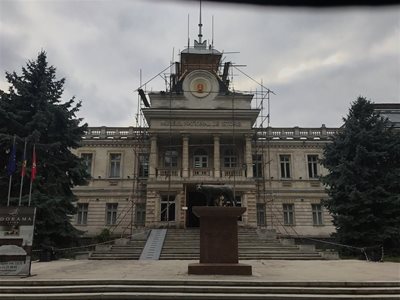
(317, 61)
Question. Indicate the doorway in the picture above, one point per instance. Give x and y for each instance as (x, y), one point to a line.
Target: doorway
(194, 199)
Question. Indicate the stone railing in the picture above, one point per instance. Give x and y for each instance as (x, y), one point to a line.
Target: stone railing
(234, 172)
(274, 133)
(290, 133)
(115, 133)
(167, 172)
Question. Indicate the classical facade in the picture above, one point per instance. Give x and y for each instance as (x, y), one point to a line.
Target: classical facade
(200, 131)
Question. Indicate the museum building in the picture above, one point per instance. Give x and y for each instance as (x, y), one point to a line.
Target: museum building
(201, 131)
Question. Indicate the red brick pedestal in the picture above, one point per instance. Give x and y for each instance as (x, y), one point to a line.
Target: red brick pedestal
(219, 242)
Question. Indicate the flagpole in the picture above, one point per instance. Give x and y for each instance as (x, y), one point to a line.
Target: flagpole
(9, 191)
(33, 173)
(22, 174)
(12, 165)
(30, 193)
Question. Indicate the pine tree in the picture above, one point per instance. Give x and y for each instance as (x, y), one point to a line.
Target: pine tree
(33, 109)
(364, 179)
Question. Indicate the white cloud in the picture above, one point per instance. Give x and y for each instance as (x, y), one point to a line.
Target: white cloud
(321, 59)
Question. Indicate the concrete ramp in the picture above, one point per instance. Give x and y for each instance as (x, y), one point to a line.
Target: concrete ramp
(154, 245)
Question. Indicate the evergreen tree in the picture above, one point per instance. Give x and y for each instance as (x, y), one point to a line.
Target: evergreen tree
(364, 179)
(32, 109)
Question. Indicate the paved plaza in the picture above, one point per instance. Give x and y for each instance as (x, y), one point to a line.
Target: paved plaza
(263, 270)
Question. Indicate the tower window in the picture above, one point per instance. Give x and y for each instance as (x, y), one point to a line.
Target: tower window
(285, 165)
(312, 166)
(115, 165)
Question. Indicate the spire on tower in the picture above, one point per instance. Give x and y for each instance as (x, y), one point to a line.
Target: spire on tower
(200, 25)
(200, 44)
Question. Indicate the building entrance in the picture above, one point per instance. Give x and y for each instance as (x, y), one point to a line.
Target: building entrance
(194, 199)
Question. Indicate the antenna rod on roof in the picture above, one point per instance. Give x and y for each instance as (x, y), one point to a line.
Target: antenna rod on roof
(212, 30)
(188, 33)
(200, 25)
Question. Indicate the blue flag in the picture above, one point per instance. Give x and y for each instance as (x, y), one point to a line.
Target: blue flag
(11, 166)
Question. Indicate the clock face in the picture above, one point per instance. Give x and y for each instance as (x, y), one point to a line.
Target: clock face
(200, 87)
(200, 84)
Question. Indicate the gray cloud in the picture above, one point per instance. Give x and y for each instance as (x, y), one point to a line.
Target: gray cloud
(317, 61)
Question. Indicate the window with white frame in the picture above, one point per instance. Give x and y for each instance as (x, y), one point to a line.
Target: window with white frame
(312, 166)
(115, 165)
(200, 158)
(260, 214)
(82, 214)
(171, 159)
(167, 208)
(143, 165)
(288, 214)
(257, 166)
(317, 214)
(111, 213)
(87, 161)
(230, 158)
(285, 165)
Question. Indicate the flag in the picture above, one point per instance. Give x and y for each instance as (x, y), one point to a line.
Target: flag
(33, 170)
(11, 166)
(23, 170)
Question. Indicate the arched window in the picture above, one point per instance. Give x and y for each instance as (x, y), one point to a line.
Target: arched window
(200, 158)
(171, 158)
(230, 158)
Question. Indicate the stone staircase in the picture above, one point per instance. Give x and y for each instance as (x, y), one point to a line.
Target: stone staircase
(194, 289)
(182, 244)
(119, 251)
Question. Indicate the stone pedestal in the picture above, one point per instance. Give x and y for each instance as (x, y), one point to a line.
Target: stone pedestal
(219, 242)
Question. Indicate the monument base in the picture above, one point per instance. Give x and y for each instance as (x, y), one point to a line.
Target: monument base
(219, 269)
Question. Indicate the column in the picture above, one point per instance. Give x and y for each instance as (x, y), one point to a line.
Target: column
(248, 156)
(185, 156)
(153, 159)
(217, 165)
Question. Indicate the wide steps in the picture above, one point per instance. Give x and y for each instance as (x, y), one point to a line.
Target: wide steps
(193, 289)
(185, 245)
(130, 251)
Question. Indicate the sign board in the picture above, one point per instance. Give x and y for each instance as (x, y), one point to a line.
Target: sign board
(16, 238)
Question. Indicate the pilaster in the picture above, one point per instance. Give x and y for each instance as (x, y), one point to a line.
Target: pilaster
(217, 164)
(185, 156)
(153, 163)
(248, 156)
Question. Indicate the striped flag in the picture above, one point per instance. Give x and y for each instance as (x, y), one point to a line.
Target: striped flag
(23, 170)
(33, 170)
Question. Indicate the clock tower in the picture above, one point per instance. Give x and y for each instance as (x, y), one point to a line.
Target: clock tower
(201, 132)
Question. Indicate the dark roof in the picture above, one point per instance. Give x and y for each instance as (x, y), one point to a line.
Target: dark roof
(379, 106)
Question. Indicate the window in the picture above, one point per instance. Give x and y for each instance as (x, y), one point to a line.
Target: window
(143, 165)
(260, 214)
(200, 158)
(140, 214)
(257, 166)
(288, 214)
(87, 161)
(112, 209)
(115, 165)
(312, 166)
(82, 213)
(230, 158)
(285, 165)
(171, 159)
(168, 208)
(317, 214)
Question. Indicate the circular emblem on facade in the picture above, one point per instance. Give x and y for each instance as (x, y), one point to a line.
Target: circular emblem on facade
(200, 84)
